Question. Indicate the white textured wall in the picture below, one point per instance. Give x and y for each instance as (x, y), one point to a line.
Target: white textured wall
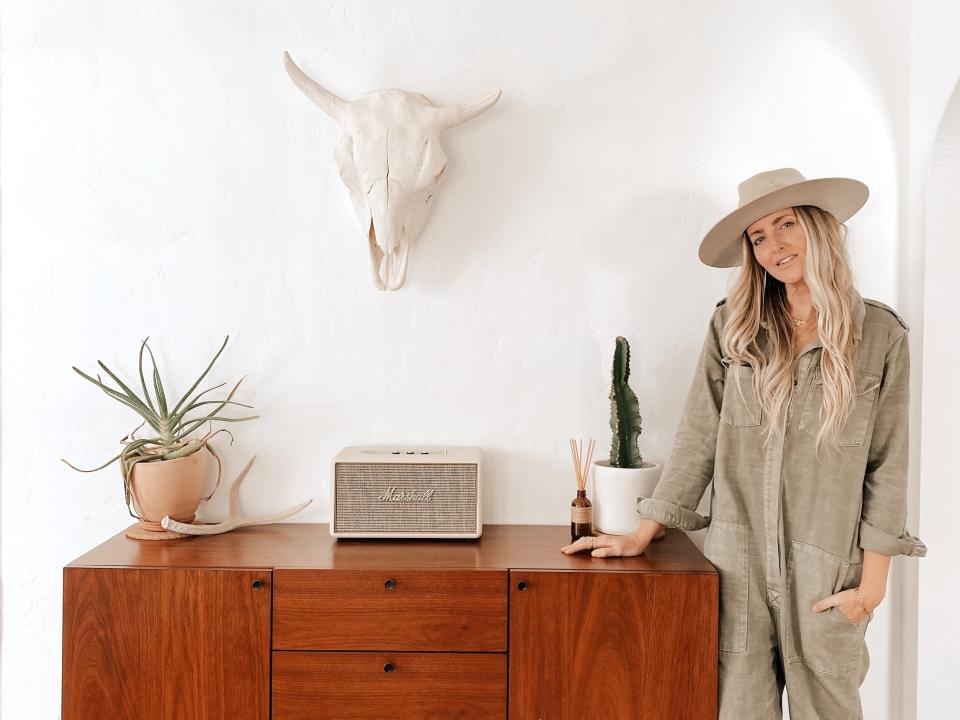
(935, 139)
(939, 597)
(161, 176)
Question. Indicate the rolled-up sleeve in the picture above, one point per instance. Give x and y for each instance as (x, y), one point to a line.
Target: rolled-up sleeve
(884, 514)
(689, 469)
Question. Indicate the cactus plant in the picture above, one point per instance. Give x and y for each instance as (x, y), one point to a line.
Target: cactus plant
(170, 424)
(624, 412)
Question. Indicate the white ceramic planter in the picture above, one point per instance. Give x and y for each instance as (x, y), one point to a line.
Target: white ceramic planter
(616, 492)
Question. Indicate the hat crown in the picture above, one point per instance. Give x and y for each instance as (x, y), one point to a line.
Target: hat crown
(766, 182)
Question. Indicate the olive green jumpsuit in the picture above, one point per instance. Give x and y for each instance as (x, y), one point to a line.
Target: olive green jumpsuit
(787, 527)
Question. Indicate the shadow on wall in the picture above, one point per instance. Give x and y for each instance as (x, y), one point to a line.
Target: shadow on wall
(938, 459)
(939, 463)
(870, 55)
(943, 183)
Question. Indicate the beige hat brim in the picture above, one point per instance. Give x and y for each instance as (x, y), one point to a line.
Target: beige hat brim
(842, 197)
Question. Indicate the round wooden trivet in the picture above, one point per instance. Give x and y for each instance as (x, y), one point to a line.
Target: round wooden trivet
(138, 533)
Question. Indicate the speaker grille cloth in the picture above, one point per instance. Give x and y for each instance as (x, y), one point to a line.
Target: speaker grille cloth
(452, 509)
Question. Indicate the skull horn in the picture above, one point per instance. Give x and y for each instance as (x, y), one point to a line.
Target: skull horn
(328, 102)
(452, 115)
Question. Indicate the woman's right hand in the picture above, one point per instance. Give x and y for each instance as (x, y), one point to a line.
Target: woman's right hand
(607, 545)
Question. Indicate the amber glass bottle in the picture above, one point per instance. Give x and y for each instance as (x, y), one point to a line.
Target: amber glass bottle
(581, 516)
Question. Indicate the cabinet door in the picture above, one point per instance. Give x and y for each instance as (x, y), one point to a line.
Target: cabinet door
(613, 645)
(155, 644)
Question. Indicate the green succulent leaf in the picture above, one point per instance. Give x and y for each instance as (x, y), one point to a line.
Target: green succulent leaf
(139, 443)
(158, 387)
(143, 382)
(101, 467)
(131, 395)
(183, 451)
(197, 422)
(176, 414)
(181, 420)
(138, 407)
(202, 376)
(221, 402)
(217, 418)
(194, 424)
(131, 436)
(126, 468)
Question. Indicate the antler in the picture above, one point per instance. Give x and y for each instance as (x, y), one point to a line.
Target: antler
(234, 518)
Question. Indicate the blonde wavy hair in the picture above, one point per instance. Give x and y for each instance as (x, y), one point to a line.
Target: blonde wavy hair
(758, 299)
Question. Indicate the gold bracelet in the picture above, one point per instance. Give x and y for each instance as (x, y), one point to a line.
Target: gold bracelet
(862, 603)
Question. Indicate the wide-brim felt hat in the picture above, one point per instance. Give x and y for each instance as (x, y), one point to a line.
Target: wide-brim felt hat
(770, 191)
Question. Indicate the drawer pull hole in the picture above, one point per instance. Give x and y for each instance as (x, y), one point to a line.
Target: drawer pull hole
(522, 585)
(257, 584)
(389, 584)
(388, 668)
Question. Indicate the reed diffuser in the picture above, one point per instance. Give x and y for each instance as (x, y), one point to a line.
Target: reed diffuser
(581, 510)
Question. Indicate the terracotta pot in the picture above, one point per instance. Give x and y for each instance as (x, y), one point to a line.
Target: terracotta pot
(616, 493)
(168, 487)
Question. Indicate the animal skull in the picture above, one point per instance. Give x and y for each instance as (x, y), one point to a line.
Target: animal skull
(391, 161)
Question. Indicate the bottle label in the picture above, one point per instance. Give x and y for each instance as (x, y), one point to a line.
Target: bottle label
(581, 515)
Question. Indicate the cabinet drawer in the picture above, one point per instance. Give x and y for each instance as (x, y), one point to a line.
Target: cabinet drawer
(419, 686)
(390, 610)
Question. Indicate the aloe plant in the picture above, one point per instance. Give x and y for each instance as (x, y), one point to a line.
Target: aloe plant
(624, 412)
(171, 426)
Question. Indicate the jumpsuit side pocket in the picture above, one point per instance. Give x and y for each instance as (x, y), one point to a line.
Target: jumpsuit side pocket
(725, 546)
(826, 641)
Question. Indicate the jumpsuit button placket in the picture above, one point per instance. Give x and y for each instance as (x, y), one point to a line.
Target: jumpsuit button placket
(772, 502)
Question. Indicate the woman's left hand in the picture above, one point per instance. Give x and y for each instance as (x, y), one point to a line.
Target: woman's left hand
(846, 601)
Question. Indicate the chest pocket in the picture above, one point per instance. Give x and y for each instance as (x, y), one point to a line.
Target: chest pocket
(740, 410)
(852, 434)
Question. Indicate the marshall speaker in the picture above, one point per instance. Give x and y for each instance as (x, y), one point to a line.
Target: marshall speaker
(396, 492)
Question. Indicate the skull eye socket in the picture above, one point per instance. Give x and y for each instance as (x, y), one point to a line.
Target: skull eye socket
(432, 168)
(347, 164)
(439, 173)
(362, 163)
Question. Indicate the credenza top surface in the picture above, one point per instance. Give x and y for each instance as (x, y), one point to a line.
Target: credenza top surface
(310, 545)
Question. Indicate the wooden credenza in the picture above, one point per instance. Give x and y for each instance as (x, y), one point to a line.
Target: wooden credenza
(285, 622)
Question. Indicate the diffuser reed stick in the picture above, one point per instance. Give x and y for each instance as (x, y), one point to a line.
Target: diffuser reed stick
(581, 509)
(581, 465)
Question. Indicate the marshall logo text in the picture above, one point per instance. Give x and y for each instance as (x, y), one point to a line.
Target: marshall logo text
(395, 494)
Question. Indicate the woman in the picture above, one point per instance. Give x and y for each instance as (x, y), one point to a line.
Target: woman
(798, 413)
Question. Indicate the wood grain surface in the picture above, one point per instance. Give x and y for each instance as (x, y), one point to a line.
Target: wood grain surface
(613, 646)
(166, 644)
(176, 629)
(309, 545)
(463, 610)
(421, 686)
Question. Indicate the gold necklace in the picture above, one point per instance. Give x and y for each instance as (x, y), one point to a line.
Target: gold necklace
(798, 323)
(803, 335)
